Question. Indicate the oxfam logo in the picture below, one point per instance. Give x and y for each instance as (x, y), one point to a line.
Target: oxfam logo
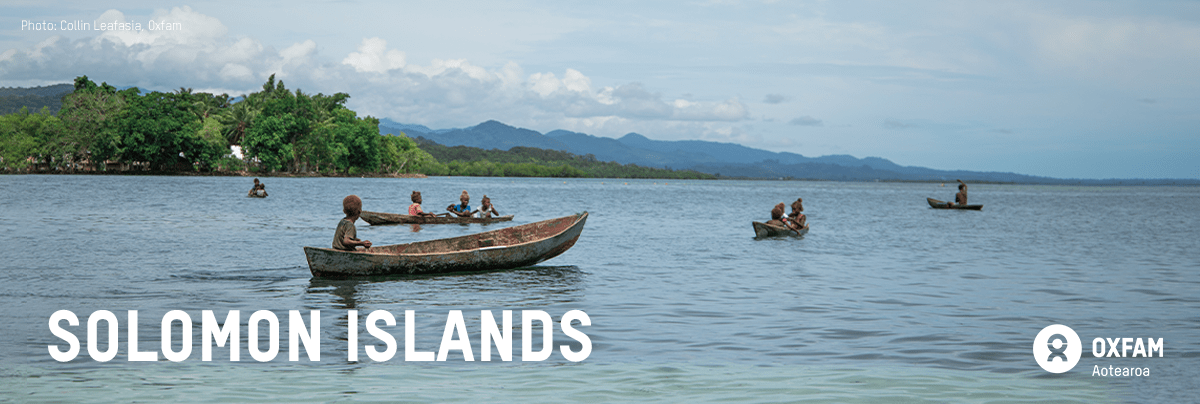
(1057, 348)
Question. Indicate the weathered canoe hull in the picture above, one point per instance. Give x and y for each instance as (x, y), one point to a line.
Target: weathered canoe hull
(936, 204)
(513, 247)
(378, 218)
(766, 230)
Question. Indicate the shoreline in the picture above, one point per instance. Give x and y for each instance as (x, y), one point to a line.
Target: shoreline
(218, 174)
(1085, 182)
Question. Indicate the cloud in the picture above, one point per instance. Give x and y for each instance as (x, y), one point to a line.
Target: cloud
(774, 99)
(806, 121)
(202, 54)
(380, 80)
(373, 56)
(1119, 46)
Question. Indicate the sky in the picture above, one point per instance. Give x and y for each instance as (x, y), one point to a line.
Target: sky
(1068, 89)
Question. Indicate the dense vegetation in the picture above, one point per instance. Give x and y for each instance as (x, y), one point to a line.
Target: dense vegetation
(279, 131)
(534, 162)
(102, 129)
(36, 98)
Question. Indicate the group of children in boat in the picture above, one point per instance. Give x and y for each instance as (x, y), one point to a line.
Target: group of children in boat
(795, 220)
(463, 209)
(346, 235)
(259, 190)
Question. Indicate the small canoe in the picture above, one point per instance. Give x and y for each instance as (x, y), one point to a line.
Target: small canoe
(513, 247)
(378, 218)
(767, 230)
(936, 204)
(259, 194)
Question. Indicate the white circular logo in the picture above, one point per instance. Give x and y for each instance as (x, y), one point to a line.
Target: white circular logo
(1057, 348)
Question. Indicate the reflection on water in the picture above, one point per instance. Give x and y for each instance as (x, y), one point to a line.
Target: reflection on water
(343, 289)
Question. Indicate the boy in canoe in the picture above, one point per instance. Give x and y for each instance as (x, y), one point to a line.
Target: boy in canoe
(777, 216)
(961, 197)
(463, 209)
(486, 209)
(415, 208)
(258, 186)
(796, 220)
(346, 236)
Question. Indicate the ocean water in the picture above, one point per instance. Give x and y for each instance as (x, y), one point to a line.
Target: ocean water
(884, 299)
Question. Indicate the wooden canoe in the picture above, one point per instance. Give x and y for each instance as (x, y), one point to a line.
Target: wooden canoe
(936, 204)
(766, 230)
(378, 218)
(513, 247)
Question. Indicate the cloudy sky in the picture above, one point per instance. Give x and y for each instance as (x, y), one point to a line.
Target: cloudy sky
(1089, 89)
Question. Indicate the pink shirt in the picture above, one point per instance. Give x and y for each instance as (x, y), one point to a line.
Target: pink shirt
(414, 209)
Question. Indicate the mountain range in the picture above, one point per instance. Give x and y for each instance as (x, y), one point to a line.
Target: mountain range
(725, 159)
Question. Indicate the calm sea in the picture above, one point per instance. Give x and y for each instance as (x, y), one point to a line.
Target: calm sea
(885, 300)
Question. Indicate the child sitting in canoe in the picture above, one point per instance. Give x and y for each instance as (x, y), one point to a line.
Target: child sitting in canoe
(777, 216)
(415, 208)
(463, 209)
(486, 209)
(961, 197)
(796, 220)
(346, 236)
(259, 190)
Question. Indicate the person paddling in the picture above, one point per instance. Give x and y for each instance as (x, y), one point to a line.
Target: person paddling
(463, 209)
(796, 220)
(346, 236)
(415, 208)
(486, 209)
(961, 197)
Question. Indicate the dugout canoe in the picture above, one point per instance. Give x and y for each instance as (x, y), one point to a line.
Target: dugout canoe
(378, 218)
(513, 247)
(766, 230)
(936, 204)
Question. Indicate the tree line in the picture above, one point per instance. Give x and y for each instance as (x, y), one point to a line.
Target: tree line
(102, 129)
(278, 130)
(534, 162)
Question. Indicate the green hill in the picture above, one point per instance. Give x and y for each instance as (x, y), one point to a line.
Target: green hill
(533, 162)
(12, 99)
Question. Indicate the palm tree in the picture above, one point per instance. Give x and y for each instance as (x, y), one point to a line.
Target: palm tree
(237, 119)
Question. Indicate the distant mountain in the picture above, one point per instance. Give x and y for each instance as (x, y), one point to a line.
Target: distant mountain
(608, 149)
(726, 159)
(408, 127)
(12, 99)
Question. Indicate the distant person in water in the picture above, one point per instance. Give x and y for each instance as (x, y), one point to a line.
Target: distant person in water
(259, 189)
(463, 209)
(961, 197)
(796, 220)
(777, 216)
(486, 209)
(415, 208)
(346, 236)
